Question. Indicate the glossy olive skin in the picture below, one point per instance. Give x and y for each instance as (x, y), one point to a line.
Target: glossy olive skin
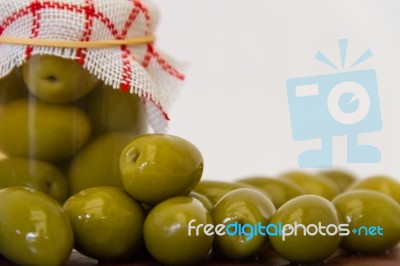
(242, 206)
(343, 179)
(107, 223)
(385, 184)
(166, 233)
(49, 132)
(369, 208)
(34, 229)
(39, 175)
(313, 183)
(280, 190)
(300, 248)
(98, 163)
(214, 190)
(155, 167)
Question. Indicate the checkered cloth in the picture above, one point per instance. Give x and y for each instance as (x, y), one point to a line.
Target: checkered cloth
(141, 69)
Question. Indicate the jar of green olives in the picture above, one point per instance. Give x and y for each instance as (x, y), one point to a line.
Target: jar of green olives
(78, 81)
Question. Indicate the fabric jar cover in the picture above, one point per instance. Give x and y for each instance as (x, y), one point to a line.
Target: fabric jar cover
(140, 69)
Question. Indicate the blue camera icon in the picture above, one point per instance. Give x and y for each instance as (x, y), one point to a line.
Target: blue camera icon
(325, 106)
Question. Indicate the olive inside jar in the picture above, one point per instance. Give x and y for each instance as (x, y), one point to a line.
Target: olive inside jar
(70, 102)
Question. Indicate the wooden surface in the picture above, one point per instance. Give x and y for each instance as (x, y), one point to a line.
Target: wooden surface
(268, 257)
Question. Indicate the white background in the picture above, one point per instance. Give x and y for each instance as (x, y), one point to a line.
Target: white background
(233, 105)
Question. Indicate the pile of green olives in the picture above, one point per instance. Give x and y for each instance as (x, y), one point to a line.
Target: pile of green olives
(194, 220)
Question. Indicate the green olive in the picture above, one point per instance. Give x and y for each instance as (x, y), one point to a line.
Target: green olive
(34, 229)
(385, 184)
(155, 167)
(35, 174)
(214, 190)
(107, 223)
(57, 80)
(207, 203)
(168, 237)
(111, 110)
(12, 87)
(343, 179)
(240, 210)
(373, 219)
(306, 230)
(280, 190)
(313, 183)
(35, 129)
(97, 164)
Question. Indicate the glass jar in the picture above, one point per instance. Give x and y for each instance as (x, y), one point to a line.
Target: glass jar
(77, 90)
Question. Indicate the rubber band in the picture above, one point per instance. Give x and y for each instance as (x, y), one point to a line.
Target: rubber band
(78, 44)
